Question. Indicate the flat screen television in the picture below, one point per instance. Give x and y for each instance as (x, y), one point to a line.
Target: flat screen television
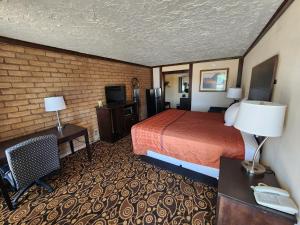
(115, 94)
(263, 80)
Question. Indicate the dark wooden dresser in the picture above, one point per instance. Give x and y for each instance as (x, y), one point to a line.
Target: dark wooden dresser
(236, 203)
(115, 121)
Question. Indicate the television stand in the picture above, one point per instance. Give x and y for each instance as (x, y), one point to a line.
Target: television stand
(115, 120)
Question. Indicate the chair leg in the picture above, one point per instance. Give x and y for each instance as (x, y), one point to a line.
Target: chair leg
(44, 185)
(21, 191)
(18, 195)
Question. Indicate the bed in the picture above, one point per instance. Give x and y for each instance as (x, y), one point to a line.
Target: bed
(193, 140)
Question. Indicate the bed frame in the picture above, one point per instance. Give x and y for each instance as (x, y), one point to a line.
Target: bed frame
(180, 170)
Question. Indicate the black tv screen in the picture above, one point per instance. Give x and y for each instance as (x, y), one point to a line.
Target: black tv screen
(115, 94)
(262, 80)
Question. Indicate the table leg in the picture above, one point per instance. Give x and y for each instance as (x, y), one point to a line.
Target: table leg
(88, 147)
(5, 194)
(71, 146)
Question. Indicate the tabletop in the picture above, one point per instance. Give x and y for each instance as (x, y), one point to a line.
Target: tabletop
(68, 131)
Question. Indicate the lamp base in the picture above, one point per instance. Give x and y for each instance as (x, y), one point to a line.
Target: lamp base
(256, 170)
(60, 127)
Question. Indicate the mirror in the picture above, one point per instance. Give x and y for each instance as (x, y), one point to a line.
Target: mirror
(183, 84)
(176, 88)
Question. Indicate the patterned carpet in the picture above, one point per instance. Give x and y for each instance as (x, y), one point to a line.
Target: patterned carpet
(116, 188)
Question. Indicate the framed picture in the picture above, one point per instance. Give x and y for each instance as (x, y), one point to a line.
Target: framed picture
(213, 80)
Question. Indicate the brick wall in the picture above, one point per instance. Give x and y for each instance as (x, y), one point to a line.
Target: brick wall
(27, 75)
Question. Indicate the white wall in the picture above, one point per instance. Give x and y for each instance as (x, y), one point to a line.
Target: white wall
(201, 101)
(175, 67)
(156, 77)
(283, 154)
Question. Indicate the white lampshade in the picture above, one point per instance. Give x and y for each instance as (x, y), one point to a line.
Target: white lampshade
(234, 93)
(54, 104)
(261, 118)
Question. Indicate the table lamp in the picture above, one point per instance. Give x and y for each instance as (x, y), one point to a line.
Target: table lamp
(261, 119)
(234, 93)
(54, 104)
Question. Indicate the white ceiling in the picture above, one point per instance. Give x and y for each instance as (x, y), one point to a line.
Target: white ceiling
(149, 32)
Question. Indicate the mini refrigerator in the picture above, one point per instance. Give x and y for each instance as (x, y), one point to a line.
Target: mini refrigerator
(154, 101)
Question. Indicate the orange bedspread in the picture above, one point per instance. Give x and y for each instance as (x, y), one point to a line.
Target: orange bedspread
(196, 137)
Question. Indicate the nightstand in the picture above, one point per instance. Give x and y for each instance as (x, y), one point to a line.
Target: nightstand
(217, 109)
(236, 202)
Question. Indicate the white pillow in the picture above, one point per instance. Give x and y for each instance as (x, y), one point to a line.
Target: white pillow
(231, 114)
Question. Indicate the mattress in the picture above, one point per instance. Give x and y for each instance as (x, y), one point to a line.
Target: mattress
(193, 138)
(250, 144)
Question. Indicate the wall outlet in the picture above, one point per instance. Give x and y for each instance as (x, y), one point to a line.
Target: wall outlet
(96, 134)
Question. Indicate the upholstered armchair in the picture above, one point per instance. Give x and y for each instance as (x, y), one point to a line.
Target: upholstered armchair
(29, 162)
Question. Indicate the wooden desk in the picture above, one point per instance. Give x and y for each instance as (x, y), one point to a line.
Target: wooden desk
(236, 201)
(68, 133)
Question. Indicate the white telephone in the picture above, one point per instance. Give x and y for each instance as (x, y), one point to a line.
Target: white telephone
(274, 198)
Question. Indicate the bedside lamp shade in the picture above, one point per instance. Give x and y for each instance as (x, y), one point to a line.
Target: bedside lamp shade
(261, 118)
(53, 104)
(234, 93)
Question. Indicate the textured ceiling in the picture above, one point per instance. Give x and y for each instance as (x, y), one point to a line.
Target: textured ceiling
(149, 32)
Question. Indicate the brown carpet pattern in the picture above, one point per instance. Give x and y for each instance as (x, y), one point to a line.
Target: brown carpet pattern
(115, 188)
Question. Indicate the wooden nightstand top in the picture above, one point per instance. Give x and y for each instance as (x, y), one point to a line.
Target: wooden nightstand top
(234, 183)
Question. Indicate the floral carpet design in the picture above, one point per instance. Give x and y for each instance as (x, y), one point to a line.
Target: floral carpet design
(117, 187)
